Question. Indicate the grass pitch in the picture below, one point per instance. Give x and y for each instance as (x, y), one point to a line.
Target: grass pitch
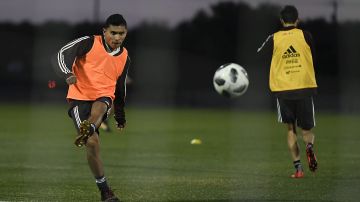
(243, 157)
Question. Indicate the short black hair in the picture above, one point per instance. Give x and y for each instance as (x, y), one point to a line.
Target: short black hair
(115, 19)
(289, 14)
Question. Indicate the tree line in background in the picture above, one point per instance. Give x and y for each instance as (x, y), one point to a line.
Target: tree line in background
(175, 66)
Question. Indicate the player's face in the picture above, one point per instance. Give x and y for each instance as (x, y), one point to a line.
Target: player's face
(115, 35)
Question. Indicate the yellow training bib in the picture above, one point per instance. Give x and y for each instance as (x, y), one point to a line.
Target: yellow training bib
(292, 64)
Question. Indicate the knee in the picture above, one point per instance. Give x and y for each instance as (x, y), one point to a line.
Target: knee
(98, 109)
(290, 127)
(306, 132)
(97, 114)
(93, 141)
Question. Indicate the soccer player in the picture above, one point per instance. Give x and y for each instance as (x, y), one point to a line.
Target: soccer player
(292, 81)
(95, 68)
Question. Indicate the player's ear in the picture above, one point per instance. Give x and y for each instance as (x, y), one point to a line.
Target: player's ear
(104, 30)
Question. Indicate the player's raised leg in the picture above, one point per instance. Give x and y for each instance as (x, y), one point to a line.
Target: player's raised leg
(89, 126)
(105, 124)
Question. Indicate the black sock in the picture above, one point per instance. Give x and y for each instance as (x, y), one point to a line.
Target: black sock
(102, 184)
(297, 165)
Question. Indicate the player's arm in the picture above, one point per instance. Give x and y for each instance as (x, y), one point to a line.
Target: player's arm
(120, 94)
(266, 43)
(266, 49)
(66, 56)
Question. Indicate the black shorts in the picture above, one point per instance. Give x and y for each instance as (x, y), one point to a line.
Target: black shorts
(80, 110)
(300, 112)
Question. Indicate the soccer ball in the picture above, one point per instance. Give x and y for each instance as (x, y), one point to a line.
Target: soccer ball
(231, 80)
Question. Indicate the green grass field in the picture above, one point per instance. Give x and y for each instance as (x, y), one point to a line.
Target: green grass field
(243, 157)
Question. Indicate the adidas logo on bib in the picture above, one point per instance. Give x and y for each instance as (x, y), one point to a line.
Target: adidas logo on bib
(290, 52)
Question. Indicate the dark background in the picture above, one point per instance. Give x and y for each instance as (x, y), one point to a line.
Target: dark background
(173, 67)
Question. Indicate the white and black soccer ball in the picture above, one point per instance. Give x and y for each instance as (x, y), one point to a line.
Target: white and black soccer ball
(231, 80)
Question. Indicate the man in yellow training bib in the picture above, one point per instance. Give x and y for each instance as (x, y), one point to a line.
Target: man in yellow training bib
(292, 81)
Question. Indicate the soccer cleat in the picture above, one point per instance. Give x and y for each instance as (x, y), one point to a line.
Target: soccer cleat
(109, 196)
(298, 174)
(311, 158)
(86, 130)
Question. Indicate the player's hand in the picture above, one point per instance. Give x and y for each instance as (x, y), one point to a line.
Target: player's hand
(120, 126)
(71, 79)
(120, 122)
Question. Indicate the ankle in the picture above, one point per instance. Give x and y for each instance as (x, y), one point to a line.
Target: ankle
(297, 165)
(93, 127)
(102, 184)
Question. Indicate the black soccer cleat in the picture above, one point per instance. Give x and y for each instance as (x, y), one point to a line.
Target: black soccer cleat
(86, 130)
(311, 158)
(109, 196)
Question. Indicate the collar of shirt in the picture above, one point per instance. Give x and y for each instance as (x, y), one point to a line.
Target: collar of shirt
(287, 28)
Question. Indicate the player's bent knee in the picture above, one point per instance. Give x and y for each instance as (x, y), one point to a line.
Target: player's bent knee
(98, 109)
(93, 140)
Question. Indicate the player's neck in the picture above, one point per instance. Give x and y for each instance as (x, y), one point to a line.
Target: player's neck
(289, 25)
(107, 46)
